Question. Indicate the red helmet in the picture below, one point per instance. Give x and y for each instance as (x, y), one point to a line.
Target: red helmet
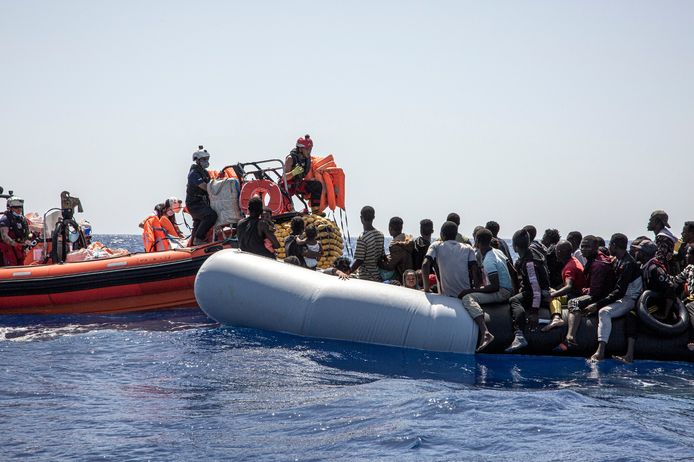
(306, 142)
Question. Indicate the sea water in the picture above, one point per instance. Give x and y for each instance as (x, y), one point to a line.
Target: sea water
(174, 385)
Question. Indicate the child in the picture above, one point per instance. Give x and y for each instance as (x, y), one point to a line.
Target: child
(267, 217)
(314, 250)
(409, 280)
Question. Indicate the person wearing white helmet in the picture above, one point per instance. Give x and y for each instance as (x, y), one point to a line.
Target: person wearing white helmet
(198, 198)
(14, 233)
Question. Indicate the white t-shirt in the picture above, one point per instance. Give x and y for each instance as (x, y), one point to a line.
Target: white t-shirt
(454, 261)
(495, 262)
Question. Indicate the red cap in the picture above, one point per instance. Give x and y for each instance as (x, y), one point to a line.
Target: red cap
(432, 279)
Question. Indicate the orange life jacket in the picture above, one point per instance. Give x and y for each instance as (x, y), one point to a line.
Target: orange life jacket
(336, 193)
(154, 235)
(169, 228)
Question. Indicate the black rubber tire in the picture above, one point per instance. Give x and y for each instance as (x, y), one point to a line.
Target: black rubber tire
(660, 327)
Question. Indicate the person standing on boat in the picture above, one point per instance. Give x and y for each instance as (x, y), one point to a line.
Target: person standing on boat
(296, 166)
(253, 230)
(198, 198)
(422, 243)
(369, 249)
(664, 239)
(14, 233)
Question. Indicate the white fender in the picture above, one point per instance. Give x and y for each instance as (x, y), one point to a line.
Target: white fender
(246, 290)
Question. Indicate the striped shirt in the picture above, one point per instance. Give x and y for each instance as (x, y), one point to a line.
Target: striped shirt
(369, 251)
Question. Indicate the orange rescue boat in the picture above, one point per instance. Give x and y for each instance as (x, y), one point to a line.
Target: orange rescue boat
(134, 282)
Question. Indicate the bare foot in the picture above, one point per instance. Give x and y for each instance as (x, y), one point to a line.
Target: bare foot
(556, 322)
(690, 346)
(625, 359)
(486, 340)
(597, 357)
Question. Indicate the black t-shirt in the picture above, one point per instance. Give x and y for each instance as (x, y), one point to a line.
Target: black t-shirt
(421, 245)
(250, 239)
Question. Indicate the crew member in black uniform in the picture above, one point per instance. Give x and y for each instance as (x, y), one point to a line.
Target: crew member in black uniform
(296, 166)
(14, 233)
(198, 198)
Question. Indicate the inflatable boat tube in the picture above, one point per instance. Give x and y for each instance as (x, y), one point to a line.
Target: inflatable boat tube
(241, 289)
(658, 326)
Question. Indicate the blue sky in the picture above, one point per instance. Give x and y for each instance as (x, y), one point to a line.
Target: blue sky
(574, 115)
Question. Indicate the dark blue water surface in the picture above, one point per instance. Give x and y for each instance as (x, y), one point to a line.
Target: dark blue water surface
(173, 385)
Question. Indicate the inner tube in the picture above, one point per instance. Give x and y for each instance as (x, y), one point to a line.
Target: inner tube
(656, 325)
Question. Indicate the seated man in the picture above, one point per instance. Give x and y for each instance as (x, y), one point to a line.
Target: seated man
(600, 281)
(687, 277)
(687, 241)
(14, 233)
(654, 271)
(369, 249)
(623, 298)
(550, 239)
(664, 239)
(534, 290)
(654, 277)
(422, 243)
(455, 218)
(457, 266)
(500, 287)
(253, 230)
(575, 237)
(401, 248)
(494, 227)
(296, 166)
(574, 282)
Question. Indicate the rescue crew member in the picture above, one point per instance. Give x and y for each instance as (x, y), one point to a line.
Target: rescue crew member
(14, 233)
(198, 198)
(296, 166)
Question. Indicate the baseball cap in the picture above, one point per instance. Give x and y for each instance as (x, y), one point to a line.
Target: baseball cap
(662, 216)
(647, 247)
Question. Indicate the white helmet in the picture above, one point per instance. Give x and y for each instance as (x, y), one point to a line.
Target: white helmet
(15, 201)
(200, 154)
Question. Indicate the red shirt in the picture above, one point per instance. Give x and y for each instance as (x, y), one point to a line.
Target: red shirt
(574, 270)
